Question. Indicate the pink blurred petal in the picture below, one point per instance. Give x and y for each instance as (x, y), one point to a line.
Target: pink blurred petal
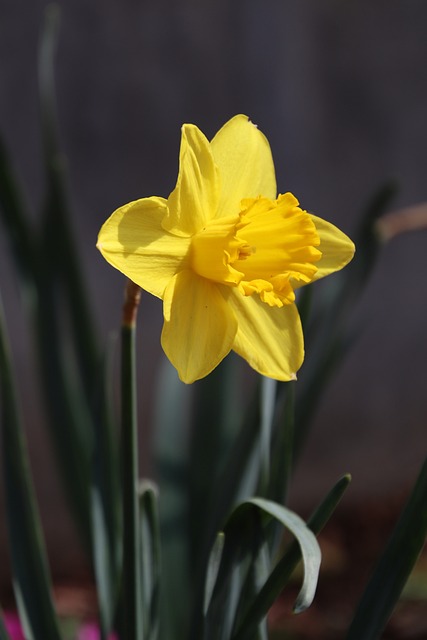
(13, 625)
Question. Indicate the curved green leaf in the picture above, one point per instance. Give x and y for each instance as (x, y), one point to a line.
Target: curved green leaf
(244, 565)
(309, 546)
(281, 573)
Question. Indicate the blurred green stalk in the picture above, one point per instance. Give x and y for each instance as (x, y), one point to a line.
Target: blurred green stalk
(131, 591)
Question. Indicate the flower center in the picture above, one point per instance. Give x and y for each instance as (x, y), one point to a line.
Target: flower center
(263, 249)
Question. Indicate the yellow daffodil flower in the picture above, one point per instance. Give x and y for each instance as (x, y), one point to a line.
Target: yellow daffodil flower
(225, 255)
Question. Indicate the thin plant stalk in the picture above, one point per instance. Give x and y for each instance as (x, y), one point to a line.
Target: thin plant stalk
(129, 452)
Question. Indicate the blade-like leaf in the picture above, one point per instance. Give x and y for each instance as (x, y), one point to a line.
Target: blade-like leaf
(213, 415)
(105, 564)
(29, 565)
(150, 559)
(394, 566)
(70, 421)
(326, 334)
(69, 418)
(213, 569)
(281, 573)
(282, 444)
(309, 546)
(58, 245)
(255, 578)
(16, 220)
(61, 258)
(237, 480)
(245, 534)
(106, 514)
(170, 422)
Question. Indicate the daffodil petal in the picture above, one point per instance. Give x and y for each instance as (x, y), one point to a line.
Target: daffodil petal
(269, 338)
(337, 250)
(199, 327)
(133, 241)
(243, 156)
(194, 200)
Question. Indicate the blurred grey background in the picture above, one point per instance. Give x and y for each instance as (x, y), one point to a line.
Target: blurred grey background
(340, 90)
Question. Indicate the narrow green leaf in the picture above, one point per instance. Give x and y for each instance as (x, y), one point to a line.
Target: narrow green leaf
(321, 515)
(394, 566)
(310, 549)
(16, 220)
(326, 335)
(281, 573)
(245, 536)
(258, 572)
(150, 559)
(62, 259)
(170, 422)
(262, 567)
(239, 476)
(211, 399)
(213, 569)
(59, 248)
(106, 513)
(105, 564)
(368, 245)
(69, 418)
(237, 479)
(282, 444)
(29, 564)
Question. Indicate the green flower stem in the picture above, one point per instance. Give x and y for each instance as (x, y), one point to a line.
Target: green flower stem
(268, 405)
(129, 452)
(282, 445)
